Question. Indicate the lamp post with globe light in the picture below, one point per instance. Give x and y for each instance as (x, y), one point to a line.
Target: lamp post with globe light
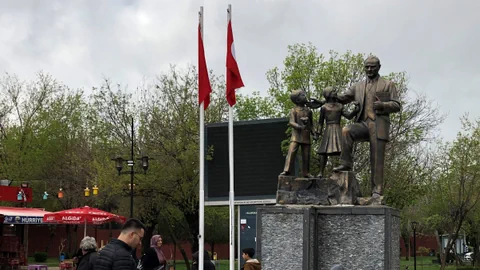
(130, 163)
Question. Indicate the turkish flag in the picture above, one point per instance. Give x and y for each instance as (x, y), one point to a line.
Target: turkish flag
(234, 79)
(204, 87)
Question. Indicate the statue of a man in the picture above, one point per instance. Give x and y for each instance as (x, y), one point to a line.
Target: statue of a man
(377, 98)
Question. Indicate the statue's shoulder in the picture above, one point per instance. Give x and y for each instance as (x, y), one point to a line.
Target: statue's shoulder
(358, 84)
(386, 81)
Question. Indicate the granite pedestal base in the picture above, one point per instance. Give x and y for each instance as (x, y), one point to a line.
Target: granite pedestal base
(339, 188)
(318, 237)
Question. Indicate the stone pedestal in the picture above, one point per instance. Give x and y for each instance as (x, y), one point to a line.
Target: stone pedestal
(339, 188)
(317, 237)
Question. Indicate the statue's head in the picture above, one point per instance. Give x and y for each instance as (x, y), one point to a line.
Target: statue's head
(298, 97)
(372, 66)
(329, 93)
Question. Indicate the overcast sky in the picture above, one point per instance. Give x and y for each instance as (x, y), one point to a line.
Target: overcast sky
(80, 42)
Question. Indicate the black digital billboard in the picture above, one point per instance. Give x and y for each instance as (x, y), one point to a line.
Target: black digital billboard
(258, 160)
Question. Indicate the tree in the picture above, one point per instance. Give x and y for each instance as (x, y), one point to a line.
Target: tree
(111, 112)
(45, 141)
(454, 192)
(170, 114)
(216, 226)
(168, 133)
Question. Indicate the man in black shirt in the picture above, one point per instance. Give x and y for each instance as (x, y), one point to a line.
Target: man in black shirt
(118, 253)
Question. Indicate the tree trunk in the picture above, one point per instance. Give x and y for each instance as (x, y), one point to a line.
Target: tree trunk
(185, 258)
(175, 242)
(446, 251)
(192, 219)
(457, 258)
(441, 253)
(406, 242)
(476, 250)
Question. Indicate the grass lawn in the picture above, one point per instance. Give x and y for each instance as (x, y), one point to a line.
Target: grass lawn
(423, 263)
(51, 262)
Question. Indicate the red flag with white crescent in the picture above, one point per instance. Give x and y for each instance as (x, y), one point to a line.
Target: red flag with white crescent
(234, 79)
(204, 87)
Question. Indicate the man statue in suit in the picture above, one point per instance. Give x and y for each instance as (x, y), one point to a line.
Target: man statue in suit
(378, 98)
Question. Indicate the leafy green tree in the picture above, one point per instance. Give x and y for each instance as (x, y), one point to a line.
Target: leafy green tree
(216, 226)
(44, 137)
(170, 133)
(110, 117)
(454, 193)
(45, 141)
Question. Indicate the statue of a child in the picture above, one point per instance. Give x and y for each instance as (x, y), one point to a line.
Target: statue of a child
(330, 114)
(302, 124)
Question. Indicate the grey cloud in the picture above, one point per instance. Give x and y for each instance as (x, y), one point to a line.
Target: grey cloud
(79, 42)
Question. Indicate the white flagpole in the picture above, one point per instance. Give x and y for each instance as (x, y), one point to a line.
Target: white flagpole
(239, 252)
(231, 193)
(201, 239)
(230, 158)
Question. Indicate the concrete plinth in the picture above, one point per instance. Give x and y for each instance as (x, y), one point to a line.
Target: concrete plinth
(318, 237)
(339, 188)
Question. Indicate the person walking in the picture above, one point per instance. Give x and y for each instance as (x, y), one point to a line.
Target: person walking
(117, 255)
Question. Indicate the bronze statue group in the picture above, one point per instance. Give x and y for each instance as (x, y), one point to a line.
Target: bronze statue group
(374, 99)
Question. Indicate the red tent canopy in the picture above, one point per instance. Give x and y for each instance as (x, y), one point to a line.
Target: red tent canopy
(82, 215)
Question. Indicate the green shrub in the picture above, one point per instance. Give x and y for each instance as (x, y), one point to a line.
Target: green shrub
(40, 256)
(423, 251)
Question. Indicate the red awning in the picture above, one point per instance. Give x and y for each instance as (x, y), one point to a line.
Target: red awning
(19, 215)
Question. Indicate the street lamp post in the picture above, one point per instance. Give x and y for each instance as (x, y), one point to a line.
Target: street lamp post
(119, 164)
(414, 228)
(130, 163)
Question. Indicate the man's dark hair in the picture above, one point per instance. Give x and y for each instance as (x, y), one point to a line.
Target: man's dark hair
(249, 251)
(134, 224)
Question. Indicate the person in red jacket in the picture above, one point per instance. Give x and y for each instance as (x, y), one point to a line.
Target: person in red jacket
(250, 263)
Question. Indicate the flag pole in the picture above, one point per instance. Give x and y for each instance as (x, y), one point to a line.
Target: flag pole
(239, 252)
(230, 158)
(201, 239)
